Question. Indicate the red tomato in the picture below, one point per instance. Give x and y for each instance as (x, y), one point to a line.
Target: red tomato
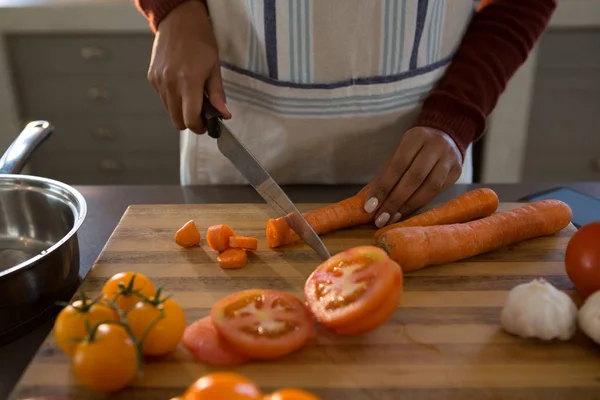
(262, 324)
(582, 259)
(222, 385)
(355, 290)
(202, 339)
(291, 394)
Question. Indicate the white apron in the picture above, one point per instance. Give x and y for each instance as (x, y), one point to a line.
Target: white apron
(321, 91)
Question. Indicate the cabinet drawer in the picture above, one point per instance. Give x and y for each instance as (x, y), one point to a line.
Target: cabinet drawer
(104, 167)
(49, 54)
(563, 166)
(88, 95)
(567, 48)
(134, 133)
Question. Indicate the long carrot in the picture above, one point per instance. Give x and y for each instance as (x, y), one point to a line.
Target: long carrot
(232, 258)
(466, 207)
(218, 236)
(417, 247)
(187, 235)
(344, 214)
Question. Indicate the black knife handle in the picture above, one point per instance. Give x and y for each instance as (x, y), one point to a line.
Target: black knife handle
(210, 117)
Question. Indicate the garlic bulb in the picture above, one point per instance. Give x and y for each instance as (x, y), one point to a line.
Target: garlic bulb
(589, 317)
(539, 310)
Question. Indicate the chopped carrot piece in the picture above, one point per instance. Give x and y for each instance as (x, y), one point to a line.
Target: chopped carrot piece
(243, 242)
(188, 235)
(218, 236)
(233, 258)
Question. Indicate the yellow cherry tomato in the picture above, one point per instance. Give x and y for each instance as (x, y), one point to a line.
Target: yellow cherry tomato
(132, 292)
(222, 385)
(108, 361)
(291, 394)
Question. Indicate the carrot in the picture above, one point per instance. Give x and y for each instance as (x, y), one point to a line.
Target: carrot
(344, 214)
(232, 258)
(187, 235)
(218, 236)
(243, 242)
(463, 208)
(417, 247)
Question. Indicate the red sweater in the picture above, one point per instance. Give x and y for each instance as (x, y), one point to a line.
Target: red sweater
(497, 42)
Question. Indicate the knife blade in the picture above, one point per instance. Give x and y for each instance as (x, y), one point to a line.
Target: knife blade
(230, 146)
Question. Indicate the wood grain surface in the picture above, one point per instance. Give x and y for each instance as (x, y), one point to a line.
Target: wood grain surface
(443, 342)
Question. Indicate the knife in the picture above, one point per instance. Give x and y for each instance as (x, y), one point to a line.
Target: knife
(259, 178)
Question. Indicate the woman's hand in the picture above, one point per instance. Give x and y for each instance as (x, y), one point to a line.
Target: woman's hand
(185, 64)
(426, 162)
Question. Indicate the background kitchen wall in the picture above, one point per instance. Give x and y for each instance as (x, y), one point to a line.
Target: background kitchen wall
(81, 64)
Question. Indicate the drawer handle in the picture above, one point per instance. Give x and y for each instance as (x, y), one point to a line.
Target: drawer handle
(110, 165)
(103, 134)
(92, 53)
(97, 93)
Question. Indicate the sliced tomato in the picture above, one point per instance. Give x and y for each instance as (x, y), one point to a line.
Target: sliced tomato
(203, 341)
(263, 324)
(350, 286)
(382, 314)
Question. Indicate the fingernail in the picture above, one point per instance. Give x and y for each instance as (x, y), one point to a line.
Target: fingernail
(396, 218)
(382, 219)
(371, 204)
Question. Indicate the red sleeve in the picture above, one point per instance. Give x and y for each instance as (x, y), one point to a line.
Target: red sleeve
(497, 42)
(156, 10)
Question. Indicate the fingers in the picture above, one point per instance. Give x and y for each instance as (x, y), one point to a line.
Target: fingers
(417, 174)
(436, 182)
(216, 93)
(395, 167)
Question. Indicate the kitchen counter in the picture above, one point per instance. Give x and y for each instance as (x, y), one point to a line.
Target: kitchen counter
(106, 205)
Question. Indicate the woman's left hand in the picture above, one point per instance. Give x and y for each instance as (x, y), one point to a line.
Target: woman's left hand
(426, 162)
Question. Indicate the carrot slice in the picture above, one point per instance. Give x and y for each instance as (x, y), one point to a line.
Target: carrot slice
(203, 341)
(344, 214)
(233, 258)
(187, 235)
(417, 247)
(218, 236)
(243, 242)
(466, 207)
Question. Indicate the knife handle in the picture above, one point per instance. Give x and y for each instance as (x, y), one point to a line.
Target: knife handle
(210, 116)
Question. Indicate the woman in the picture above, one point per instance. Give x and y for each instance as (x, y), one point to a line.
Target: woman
(387, 92)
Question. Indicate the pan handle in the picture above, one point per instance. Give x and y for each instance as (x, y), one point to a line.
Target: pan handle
(18, 153)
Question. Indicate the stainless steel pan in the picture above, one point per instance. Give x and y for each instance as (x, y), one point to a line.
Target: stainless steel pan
(39, 250)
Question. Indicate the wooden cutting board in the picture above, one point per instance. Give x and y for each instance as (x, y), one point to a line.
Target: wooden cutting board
(443, 342)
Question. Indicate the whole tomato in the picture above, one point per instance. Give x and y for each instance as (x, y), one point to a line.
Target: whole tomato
(164, 322)
(108, 360)
(582, 259)
(291, 394)
(222, 385)
(127, 288)
(70, 324)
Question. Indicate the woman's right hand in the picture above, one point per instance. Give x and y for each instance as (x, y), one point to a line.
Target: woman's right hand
(185, 63)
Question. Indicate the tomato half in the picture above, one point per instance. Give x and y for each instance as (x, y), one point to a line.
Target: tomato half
(263, 324)
(205, 343)
(351, 287)
(109, 361)
(222, 385)
(291, 394)
(71, 322)
(165, 321)
(135, 290)
(582, 259)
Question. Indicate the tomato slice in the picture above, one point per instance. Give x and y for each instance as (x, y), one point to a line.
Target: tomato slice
(383, 312)
(203, 341)
(350, 286)
(263, 324)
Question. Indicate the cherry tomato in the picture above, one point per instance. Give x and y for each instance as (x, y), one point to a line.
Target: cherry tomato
(128, 298)
(291, 394)
(168, 324)
(262, 324)
(205, 343)
(582, 259)
(355, 290)
(71, 322)
(107, 362)
(222, 385)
